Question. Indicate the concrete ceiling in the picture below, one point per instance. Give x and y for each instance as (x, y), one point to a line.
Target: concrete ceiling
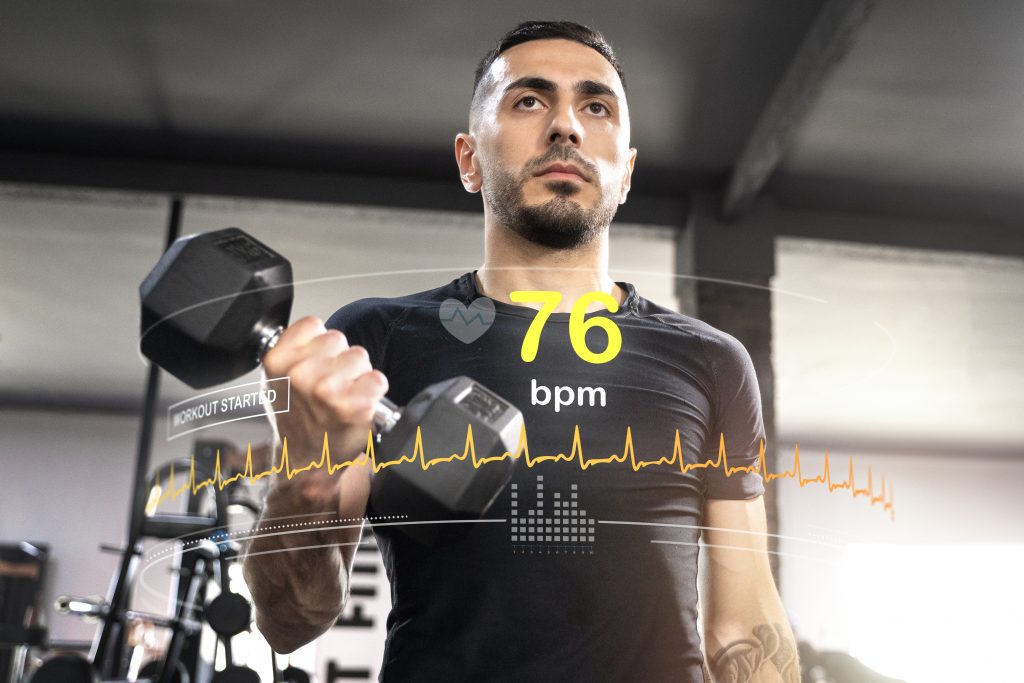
(929, 97)
(297, 83)
(927, 108)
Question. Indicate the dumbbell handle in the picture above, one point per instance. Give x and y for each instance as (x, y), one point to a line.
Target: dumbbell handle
(385, 414)
(90, 607)
(95, 607)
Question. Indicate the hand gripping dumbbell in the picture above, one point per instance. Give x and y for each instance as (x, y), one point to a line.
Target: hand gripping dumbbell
(216, 302)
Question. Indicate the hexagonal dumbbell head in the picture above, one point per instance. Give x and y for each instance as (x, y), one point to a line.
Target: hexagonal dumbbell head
(209, 301)
(447, 490)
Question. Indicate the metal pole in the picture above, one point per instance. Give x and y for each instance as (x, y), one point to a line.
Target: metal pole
(108, 652)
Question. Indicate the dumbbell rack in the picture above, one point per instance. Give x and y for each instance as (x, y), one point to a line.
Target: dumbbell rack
(108, 653)
(108, 660)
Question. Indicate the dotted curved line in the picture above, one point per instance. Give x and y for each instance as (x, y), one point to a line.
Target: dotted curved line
(186, 544)
(824, 537)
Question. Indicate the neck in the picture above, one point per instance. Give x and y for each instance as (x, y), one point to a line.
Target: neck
(512, 263)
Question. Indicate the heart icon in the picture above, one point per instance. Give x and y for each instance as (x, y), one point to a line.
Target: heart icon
(467, 323)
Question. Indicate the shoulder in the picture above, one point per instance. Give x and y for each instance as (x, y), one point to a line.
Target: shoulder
(717, 342)
(727, 352)
(370, 322)
(724, 354)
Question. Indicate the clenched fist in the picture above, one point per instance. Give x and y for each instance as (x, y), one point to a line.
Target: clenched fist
(333, 389)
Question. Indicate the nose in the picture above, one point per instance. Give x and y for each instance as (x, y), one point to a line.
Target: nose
(565, 128)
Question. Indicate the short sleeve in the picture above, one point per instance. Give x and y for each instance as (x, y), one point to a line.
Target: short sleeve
(363, 324)
(736, 410)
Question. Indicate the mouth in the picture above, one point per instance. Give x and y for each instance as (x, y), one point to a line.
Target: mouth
(562, 172)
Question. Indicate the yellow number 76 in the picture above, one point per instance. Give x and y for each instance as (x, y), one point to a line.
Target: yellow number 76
(578, 324)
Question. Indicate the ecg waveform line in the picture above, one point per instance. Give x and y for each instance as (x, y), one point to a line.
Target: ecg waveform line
(477, 317)
(369, 457)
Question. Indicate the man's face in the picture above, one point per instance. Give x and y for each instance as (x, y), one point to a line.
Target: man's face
(550, 146)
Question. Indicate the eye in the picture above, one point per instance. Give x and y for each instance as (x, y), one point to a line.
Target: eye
(528, 102)
(598, 108)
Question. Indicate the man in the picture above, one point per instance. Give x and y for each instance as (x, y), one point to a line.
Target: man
(595, 580)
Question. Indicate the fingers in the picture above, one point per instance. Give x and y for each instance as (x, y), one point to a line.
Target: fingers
(302, 331)
(303, 339)
(317, 366)
(323, 375)
(359, 399)
(335, 382)
(352, 388)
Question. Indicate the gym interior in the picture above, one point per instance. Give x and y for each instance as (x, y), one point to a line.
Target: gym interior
(839, 184)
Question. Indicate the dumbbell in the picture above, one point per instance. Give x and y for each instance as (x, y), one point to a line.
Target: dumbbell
(216, 302)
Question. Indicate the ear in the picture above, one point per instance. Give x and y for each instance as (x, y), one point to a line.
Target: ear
(465, 157)
(627, 178)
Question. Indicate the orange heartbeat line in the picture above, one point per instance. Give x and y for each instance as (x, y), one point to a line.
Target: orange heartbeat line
(523, 450)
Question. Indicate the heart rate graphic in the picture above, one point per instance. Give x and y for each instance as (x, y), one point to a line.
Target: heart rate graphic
(419, 458)
(467, 323)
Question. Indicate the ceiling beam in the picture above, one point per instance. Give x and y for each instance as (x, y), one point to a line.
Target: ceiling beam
(827, 41)
(959, 237)
(382, 188)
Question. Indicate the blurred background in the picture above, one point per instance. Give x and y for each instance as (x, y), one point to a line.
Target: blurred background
(838, 184)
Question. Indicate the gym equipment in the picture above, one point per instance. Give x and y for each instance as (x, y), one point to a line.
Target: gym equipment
(97, 608)
(293, 674)
(212, 305)
(108, 658)
(65, 668)
(182, 625)
(236, 674)
(216, 302)
(456, 489)
(151, 671)
(228, 614)
(23, 568)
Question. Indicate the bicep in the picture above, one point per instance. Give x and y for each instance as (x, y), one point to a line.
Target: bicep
(736, 423)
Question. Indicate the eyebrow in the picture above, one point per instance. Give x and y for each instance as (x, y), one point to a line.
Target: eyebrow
(543, 84)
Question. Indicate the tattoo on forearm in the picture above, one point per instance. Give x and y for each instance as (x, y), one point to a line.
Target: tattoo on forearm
(771, 652)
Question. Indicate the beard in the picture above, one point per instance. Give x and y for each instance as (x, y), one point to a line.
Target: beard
(559, 223)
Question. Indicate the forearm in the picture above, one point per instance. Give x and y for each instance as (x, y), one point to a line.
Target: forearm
(766, 654)
(746, 630)
(297, 579)
(298, 573)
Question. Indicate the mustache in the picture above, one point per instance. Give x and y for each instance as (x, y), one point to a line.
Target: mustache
(561, 153)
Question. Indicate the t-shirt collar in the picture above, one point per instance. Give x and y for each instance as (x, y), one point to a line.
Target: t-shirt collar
(468, 291)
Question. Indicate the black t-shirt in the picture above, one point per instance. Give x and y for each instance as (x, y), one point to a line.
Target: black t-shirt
(592, 575)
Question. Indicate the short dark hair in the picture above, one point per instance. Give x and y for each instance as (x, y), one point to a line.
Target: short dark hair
(540, 30)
